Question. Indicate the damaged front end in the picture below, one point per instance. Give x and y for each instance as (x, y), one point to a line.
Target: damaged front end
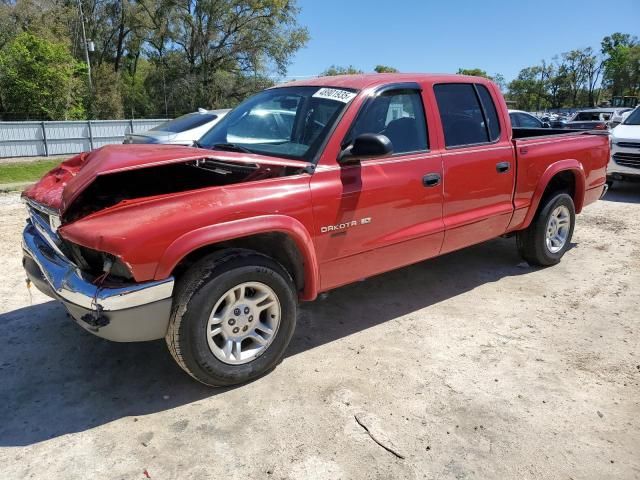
(119, 188)
(77, 265)
(108, 306)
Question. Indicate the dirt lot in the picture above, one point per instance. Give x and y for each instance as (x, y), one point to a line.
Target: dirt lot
(472, 365)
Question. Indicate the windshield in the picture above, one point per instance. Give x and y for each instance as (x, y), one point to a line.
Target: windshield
(290, 122)
(633, 118)
(185, 122)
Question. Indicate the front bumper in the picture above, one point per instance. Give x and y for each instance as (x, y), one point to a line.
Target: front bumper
(123, 313)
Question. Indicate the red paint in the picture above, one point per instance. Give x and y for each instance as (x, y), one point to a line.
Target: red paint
(221, 232)
(404, 222)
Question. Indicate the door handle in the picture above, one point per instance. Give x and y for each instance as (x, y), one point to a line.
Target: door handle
(431, 179)
(503, 167)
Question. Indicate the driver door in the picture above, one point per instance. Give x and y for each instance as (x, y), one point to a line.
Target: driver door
(385, 212)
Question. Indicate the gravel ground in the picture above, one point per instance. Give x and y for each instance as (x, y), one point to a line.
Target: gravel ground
(472, 365)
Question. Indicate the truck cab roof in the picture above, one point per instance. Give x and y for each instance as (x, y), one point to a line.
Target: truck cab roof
(367, 80)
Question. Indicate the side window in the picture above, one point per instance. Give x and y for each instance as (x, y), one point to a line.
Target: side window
(490, 112)
(527, 121)
(514, 120)
(397, 114)
(461, 114)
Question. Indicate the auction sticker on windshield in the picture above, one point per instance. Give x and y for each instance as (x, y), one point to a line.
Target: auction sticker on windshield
(343, 96)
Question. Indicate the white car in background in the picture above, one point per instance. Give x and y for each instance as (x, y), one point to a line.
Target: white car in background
(625, 149)
(619, 117)
(184, 130)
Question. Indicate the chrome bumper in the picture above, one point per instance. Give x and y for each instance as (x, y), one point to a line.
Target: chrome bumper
(133, 312)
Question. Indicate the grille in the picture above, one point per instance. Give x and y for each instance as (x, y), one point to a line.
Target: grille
(627, 159)
(629, 144)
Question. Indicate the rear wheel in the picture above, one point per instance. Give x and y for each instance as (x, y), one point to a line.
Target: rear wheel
(549, 235)
(234, 314)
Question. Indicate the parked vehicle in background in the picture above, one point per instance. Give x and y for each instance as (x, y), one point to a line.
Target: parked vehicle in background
(184, 130)
(625, 149)
(618, 117)
(521, 119)
(592, 119)
(555, 120)
(624, 102)
(262, 126)
(212, 248)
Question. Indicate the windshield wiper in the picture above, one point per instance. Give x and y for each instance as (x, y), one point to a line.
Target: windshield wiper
(232, 147)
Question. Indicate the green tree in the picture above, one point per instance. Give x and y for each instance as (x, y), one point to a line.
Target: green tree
(166, 56)
(50, 19)
(558, 90)
(41, 79)
(475, 72)
(527, 88)
(498, 78)
(107, 98)
(621, 64)
(385, 69)
(338, 70)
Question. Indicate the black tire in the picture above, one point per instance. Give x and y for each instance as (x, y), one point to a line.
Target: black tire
(532, 243)
(196, 294)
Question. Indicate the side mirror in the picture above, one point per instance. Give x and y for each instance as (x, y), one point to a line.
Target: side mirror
(366, 145)
(546, 125)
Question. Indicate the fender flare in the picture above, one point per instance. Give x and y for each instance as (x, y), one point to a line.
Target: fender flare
(212, 234)
(570, 165)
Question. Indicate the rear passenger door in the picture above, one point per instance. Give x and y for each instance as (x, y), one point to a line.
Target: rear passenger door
(478, 165)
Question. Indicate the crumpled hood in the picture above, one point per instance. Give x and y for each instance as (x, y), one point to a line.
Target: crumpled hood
(62, 185)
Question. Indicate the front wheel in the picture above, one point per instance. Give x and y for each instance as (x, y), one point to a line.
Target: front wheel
(233, 316)
(548, 237)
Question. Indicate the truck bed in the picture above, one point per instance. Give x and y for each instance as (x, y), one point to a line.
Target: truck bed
(538, 149)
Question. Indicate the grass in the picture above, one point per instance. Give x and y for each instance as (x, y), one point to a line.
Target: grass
(25, 171)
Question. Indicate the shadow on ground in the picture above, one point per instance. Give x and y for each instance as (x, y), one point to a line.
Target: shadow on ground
(55, 378)
(623, 192)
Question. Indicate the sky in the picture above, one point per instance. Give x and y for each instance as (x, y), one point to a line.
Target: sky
(499, 36)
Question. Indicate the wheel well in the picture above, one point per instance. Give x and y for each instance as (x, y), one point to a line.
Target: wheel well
(562, 182)
(276, 245)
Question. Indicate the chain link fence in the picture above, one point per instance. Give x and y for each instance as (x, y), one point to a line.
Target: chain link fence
(43, 139)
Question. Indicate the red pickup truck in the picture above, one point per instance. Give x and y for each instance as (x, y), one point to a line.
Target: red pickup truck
(302, 188)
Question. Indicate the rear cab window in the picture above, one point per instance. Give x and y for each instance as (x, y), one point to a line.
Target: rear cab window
(468, 114)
